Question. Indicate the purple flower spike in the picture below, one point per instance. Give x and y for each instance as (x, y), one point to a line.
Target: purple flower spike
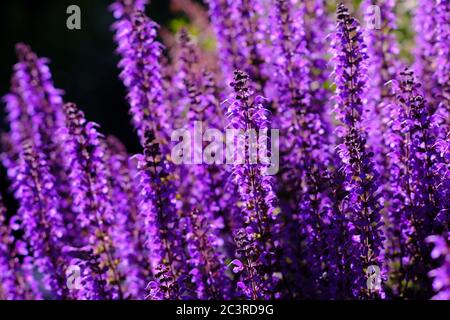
(251, 282)
(10, 277)
(141, 71)
(43, 101)
(441, 275)
(207, 267)
(128, 230)
(327, 185)
(383, 52)
(40, 219)
(231, 55)
(361, 179)
(260, 213)
(157, 208)
(42, 115)
(205, 183)
(124, 8)
(419, 183)
(317, 26)
(431, 57)
(305, 143)
(85, 161)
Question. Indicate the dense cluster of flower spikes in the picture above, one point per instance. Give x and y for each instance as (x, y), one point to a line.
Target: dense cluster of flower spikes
(364, 176)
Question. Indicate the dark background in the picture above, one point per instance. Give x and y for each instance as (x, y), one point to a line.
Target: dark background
(83, 62)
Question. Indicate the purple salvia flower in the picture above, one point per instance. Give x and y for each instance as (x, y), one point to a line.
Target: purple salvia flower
(318, 222)
(23, 102)
(291, 69)
(305, 148)
(205, 182)
(442, 40)
(209, 182)
(123, 9)
(18, 281)
(441, 174)
(383, 52)
(441, 275)
(84, 156)
(222, 190)
(19, 129)
(424, 65)
(43, 101)
(402, 246)
(40, 219)
(91, 273)
(420, 181)
(399, 230)
(44, 116)
(249, 21)
(157, 207)
(350, 65)
(7, 278)
(206, 264)
(430, 65)
(342, 254)
(442, 51)
(141, 72)
(165, 286)
(142, 227)
(128, 229)
(17, 116)
(317, 25)
(251, 282)
(361, 204)
(11, 286)
(259, 203)
(421, 149)
(229, 47)
(382, 49)
(185, 72)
